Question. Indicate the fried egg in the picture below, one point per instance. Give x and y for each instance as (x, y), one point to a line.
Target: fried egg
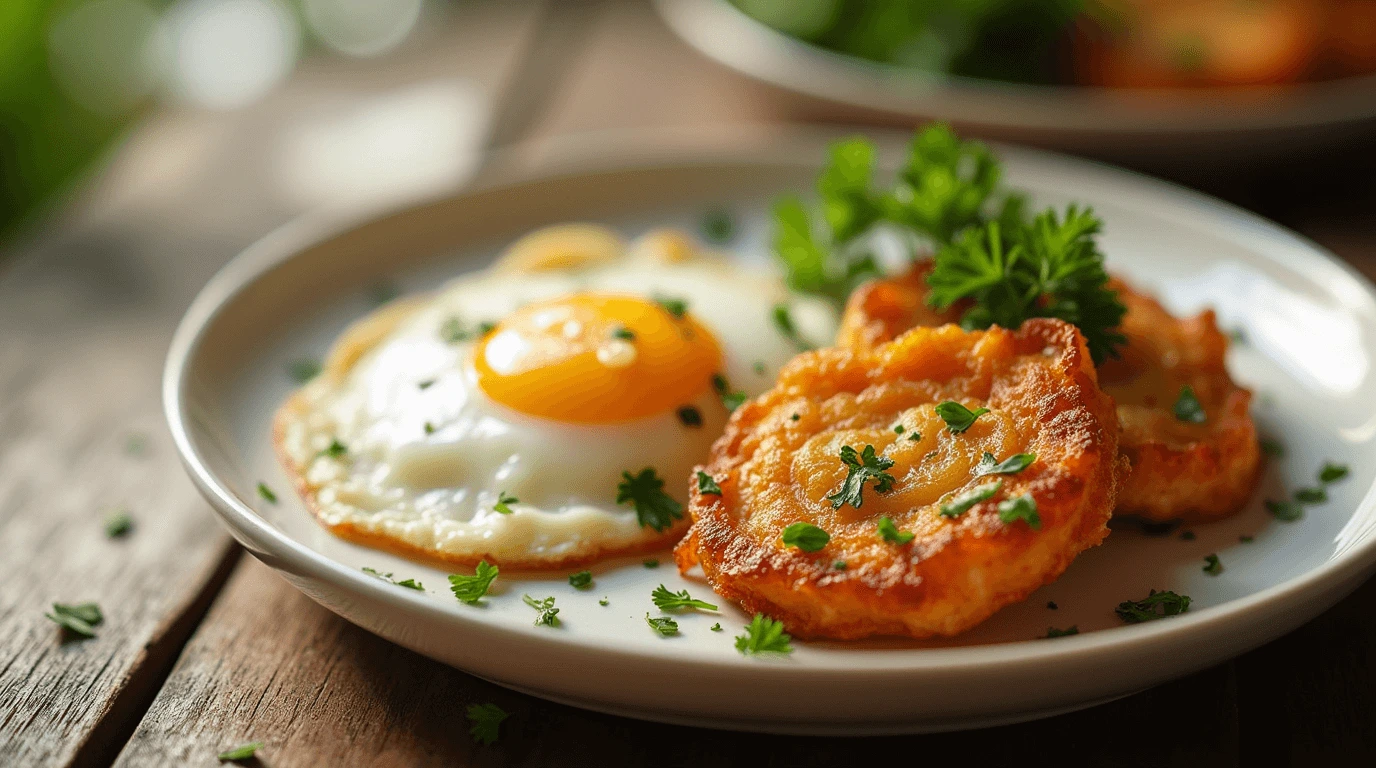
(503, 417)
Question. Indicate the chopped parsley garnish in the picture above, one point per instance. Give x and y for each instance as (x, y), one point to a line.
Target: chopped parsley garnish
(794, 417)
(1073, 629)
(303, 370)
(80, 619)
(899, 429)
(241, 752)
(651, 563)
(1187, 536)
(549, 615)
(1187, 407)
(504, 502)
(1331, 473)
(729, 398)
(962, 503)
(839, 565)
(266, 493)
(1155, 605)
(486, 720)
(624, 333)
(690, 416)
(958, 418)
(426, 384)
(1272, 448)
(411, 584)
(861, 468)
(1013, 271)
(1212, 566)
(603, 602)
(1311, 495)
(707, 485)
(759, 368)
(118, 524)
(674, 306)
(429, 428)
(387, 577)
(783, 320)
(1284, 511)
(673, 601)
(335, 450)
(805, 536)
(580, 580)
(890, 533)
(718, 226)
(471, 589)
(1012, 465)
(662, 624)
(764, 635)
(716, 627)
(914, 437)
(1022, 507)
(645, 491)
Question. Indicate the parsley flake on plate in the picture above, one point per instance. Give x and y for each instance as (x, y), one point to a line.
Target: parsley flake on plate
(839, 565)
(763, 635)
(1022, 507)
(623, 333)
(651, 563)
(486, 721)
(303, 370)
(783, 320)
(731, 399)
(548, 616)
(604, 602)
(662, 624)
(504, 502)
(241, 752)
(580, 580)
(80, 619)
(890, 533)
(1246, 539)
(861, 468)
(1212, 565)
(336, 449)
(118, 524)
(805, 536)
(1187, 536)
(1156, 605)
(387, 577)
(266, 493)
(962, 503)
(1311, 495)
(958, 418)
(471, 589)
(1187, 407)
(690, 416)
(1051, 632)
(645, 491)
(707, 485)
(1332, 473)
(716, 627)
(674, 601)
(1012, 465)
(1284, 511)
(718, 226)
(1272, 448)
(136, 445)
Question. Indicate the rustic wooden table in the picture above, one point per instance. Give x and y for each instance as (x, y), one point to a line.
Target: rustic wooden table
(203, 649)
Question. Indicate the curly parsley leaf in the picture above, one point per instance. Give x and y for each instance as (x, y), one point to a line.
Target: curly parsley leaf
(1022, 507)
(962, 503)
(80, 619)
(805, 536)
(890, 533)
(662, 624)
(486, 721)
(945, 185)
(580, 580)
(958, 418)
(645, 491)
(471, 589)
(1187, 407)
(549, 615)
(241, 752)
(673, 601)
(764, 635)
(1156, 605)
(1012, 465)
(707, 485)
(860, 469)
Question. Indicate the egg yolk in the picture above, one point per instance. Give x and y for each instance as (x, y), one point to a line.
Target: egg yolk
(597, 359)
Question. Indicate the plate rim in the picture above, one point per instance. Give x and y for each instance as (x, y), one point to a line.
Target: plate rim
(635, 151)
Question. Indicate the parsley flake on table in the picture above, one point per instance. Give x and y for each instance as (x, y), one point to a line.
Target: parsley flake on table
(783, 320)
(1073, 629)
(731, 399)
(673, 305)
(690, 416)
(805, 536)
(80, 619)
(241, 752)
(1284, 511)
(861, 468)
(707, 485)
(548, 616)
(580, 580)
(890, 533)
(1311, 495)
(718, 226)
(958, 418)
(1156, 605)
(118, 524)
(1212, 565)
(303, 370)
(662, 624)
(486, 721)
(1023, 508)
(1012, 465)
(1332, 473)
(962, 503)
(763, 635)
(674, 601)
(266, 493)
(1187, 407)
(471, 589)
(504, 502)
(645, 491)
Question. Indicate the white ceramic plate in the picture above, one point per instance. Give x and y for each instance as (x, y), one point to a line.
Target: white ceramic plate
(1168, 122)
(1311, 328)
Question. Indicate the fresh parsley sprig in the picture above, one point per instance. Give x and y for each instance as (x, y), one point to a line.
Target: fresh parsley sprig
(764, 635)
(471, 589)
(861, 467)
(673, 601)
(645, 491)
(1156, 605)
(664, 625)
(548, 616)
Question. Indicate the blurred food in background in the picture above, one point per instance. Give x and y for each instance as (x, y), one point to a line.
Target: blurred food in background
(1120, 43)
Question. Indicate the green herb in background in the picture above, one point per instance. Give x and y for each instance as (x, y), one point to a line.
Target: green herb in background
(485, 722)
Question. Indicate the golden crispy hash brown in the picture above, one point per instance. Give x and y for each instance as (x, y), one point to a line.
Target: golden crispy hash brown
(1180, 469)
(779, 461)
